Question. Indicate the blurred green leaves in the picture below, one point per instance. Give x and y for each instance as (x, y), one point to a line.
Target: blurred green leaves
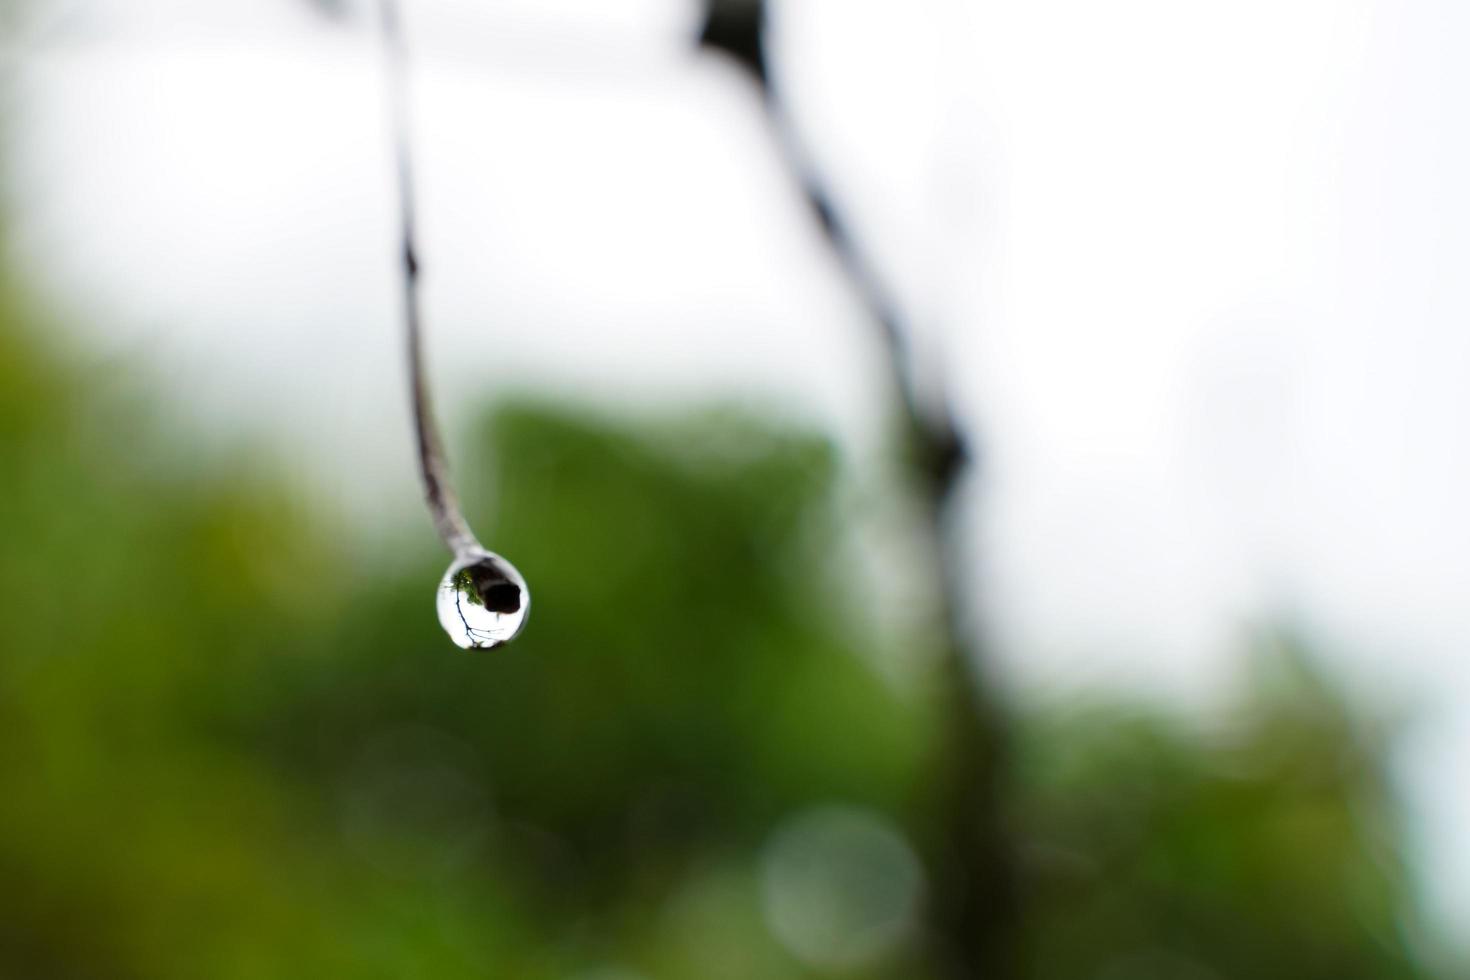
(213, 765)
(1267, 849)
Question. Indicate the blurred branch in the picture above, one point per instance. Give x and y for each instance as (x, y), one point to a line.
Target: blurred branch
(976, 903)
(332, 9)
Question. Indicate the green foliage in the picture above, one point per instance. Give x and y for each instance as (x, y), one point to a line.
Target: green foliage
(232, 746)
(1265, 850)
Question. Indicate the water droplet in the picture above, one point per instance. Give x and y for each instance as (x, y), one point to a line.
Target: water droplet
(482, 601)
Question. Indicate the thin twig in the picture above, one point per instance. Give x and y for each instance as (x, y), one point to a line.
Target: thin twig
(976, 900)
(438, 490)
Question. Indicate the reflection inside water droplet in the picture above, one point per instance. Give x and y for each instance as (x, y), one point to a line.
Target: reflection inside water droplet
(482, 601)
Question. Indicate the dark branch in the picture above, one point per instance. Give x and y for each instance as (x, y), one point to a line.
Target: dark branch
(737, 27)
(976, 902)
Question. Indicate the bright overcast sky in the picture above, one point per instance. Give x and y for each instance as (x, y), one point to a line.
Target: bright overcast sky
(1195, 271)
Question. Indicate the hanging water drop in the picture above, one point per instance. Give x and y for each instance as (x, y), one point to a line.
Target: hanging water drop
(482, 601)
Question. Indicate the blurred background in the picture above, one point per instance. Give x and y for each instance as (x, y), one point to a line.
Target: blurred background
(991, 479)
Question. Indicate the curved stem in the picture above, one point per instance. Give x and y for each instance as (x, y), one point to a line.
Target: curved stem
(439, 493)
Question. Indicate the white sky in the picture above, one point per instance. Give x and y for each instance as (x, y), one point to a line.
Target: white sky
(1195, 271)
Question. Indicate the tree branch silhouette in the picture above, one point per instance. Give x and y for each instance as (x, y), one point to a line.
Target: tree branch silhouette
(971, 859)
